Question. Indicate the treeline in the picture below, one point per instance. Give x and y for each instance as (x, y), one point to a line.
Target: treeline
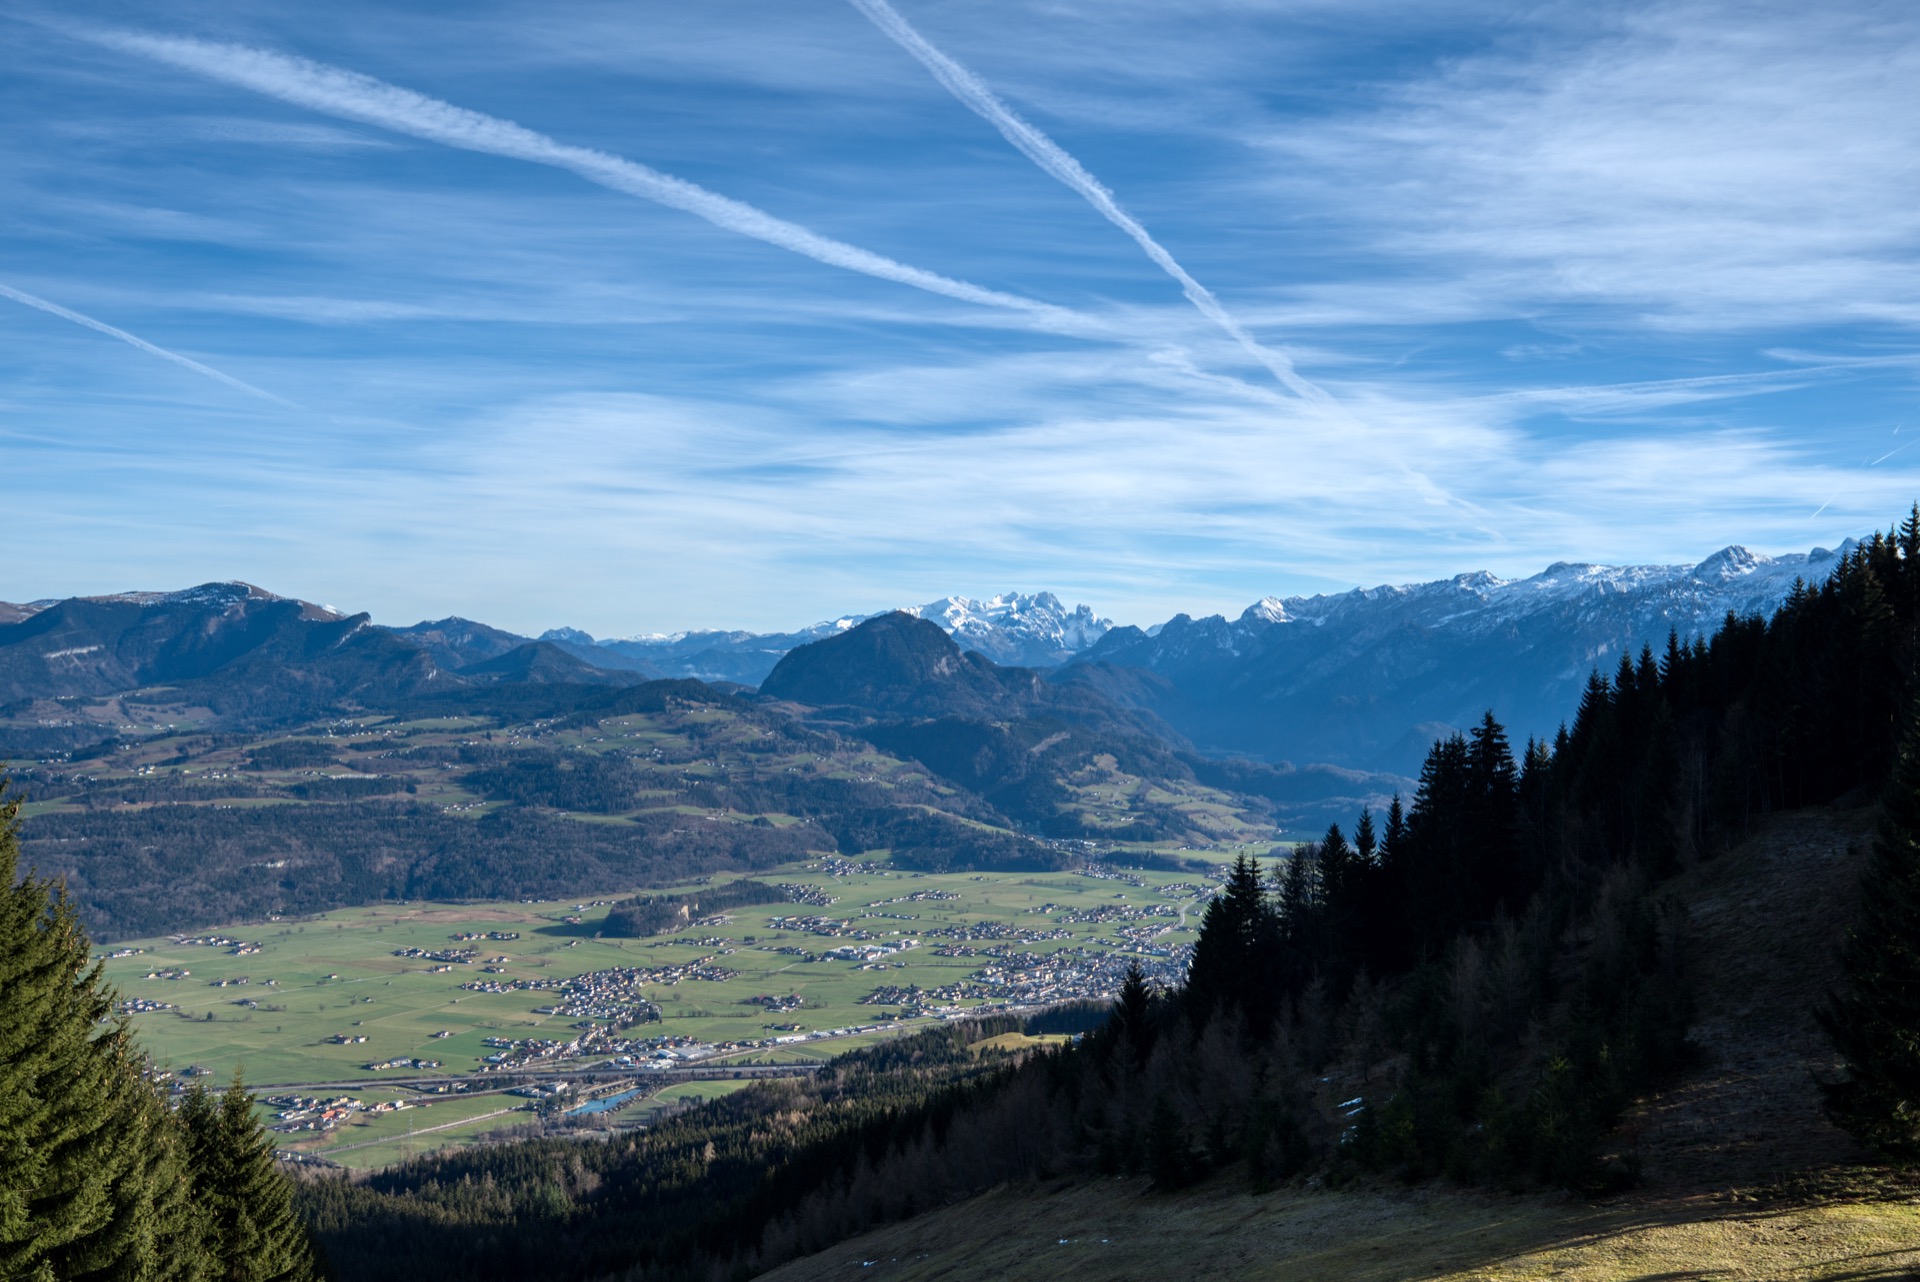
(99, 1179)
(655, 914)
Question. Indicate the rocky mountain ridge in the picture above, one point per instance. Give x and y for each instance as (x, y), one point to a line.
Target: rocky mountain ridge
(1370, 677)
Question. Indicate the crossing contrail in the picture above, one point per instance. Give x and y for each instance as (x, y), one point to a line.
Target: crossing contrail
(1044, 152)
(67, 313)
(352, 96)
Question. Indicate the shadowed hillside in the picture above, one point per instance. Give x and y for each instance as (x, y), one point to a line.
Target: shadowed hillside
(1743, 1176)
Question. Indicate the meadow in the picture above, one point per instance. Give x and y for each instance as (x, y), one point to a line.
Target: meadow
(311, 1005)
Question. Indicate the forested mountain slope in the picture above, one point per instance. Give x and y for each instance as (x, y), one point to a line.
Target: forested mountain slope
(1741, 1175)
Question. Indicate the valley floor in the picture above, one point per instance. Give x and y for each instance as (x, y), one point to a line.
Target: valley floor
(1744, 1177)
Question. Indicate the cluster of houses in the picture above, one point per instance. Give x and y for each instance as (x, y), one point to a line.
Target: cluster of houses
(612, 995)
(503, 936)
(1103, 914)
(517, 1052)
(990, 931)
(1100, 872)
(238, 947)
(917, 897)
(774, 1004)
(456, 956)
(869, 955)
(835, 866)
(404, 1062)
(299, 1113)
(1036, 979)
(832, 927)
(1075, 974)
(915, 1001)
(140, 1006)
(812, 896)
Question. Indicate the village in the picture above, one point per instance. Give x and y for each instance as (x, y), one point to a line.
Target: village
(439, 1004)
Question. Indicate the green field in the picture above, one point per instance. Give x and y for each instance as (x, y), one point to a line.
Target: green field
(286, 1002)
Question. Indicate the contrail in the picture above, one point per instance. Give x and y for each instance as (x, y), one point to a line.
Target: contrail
(352, 96)
(21, 296)
(1044, 152)
(1890, 453)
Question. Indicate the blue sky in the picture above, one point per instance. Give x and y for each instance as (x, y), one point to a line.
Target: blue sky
(1470, 287)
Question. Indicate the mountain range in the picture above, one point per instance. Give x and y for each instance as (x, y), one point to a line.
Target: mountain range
(1363, 679)
(1014, 629)
(1370, 678)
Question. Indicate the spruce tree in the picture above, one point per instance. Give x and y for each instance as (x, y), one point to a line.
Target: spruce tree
(91, 1169)
(1231, 956)
(1133, 1017)
(1366, 844)
(245, 1199)
(1875, 1021)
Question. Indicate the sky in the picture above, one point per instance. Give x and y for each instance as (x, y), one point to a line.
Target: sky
(641, 317)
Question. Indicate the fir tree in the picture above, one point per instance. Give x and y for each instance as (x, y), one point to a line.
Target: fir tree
(1875, 1021)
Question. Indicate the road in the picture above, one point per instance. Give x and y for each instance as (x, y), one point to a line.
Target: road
(424, 1130)
(562, 1072)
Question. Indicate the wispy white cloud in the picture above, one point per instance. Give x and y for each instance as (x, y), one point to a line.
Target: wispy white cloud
(1708, 166)
(134, 340)
(351, 96)
(1056, 162)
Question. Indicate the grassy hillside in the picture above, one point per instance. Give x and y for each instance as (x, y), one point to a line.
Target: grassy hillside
(1742, 1175)
(173, 829)
(1097, 1233)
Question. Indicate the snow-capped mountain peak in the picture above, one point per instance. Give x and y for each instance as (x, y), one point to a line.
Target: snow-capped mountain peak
(1370, 675)
(1268, 609)
(1729, 563)
(1017, 628)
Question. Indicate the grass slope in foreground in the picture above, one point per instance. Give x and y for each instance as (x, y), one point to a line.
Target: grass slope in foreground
(1744, 1178)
